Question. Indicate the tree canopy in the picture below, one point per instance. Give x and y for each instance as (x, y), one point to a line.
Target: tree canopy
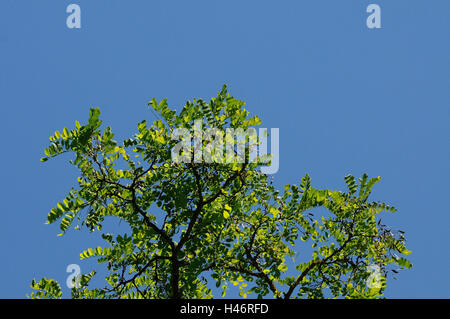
(193, 225)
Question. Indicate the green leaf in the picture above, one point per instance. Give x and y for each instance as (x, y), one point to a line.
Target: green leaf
(282, 267)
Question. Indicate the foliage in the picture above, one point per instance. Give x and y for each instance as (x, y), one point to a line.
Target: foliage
(194, 222)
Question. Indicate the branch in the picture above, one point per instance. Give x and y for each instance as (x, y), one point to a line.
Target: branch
(140, 272)
(147, 221)
(203, 203)
(299, 279)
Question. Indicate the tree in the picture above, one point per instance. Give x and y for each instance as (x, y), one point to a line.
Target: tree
(194, 222)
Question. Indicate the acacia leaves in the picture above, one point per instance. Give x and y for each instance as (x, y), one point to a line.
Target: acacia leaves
(45, 289)
(344, 243)
(193, 223)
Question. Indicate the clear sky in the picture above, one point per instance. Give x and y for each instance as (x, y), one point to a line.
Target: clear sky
(347, 99)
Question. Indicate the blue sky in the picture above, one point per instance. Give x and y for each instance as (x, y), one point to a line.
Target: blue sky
(346, 99)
